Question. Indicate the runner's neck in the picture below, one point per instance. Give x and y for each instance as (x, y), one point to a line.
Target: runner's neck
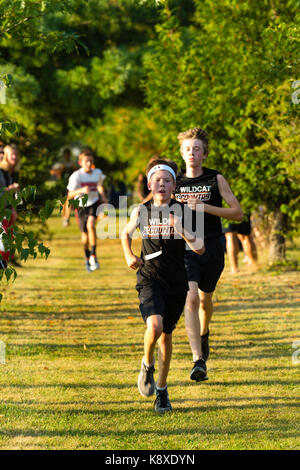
(194, 172)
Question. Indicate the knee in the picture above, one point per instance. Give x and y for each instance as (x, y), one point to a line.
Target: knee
(90, 225)
(166, 339)
(205, 304)
(155, 330)
(84, 238)
(229, 237)
(193, 301)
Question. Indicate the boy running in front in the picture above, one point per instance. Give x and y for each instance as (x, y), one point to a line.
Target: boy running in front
(201, 185)
(161, 279)
(87, 180)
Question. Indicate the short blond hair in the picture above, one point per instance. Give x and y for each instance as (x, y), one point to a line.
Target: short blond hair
(195, 133)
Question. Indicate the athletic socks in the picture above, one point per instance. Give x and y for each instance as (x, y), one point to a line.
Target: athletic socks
(93, 250)
(205, 346)
(160, 389)
(87, 253)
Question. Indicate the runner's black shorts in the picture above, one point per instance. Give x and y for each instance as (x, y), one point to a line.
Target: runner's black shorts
(83, 214)
(207, 268)
(154, 300)
(244, 228)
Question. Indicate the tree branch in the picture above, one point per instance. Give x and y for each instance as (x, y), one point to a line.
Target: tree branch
(24, 20)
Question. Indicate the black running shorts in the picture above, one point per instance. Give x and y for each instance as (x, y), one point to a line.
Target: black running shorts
(207, 268)
(83, 214)
(244, 228)
(155, 301)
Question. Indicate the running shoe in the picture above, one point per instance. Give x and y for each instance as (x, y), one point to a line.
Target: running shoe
(199, 371)
(87, 265)
(205, 346)
(93, 263)
(162, 402)
(146, 384)
(65, 222)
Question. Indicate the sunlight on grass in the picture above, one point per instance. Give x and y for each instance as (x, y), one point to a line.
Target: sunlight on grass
(74, 342)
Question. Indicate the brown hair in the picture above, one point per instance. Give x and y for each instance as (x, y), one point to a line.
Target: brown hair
(161, 161)
(85, 153)
(195, 133)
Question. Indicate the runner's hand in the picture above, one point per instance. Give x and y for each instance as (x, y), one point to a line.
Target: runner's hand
(175, 222)
(85, 190)
(134, 262)
(193, 201)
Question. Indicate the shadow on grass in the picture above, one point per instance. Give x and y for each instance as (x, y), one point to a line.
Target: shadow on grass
(285, 431)
(88, 385)
(84, 314)
(203, 402)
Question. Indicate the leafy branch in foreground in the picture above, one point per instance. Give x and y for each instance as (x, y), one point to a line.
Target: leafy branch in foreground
(15, 238)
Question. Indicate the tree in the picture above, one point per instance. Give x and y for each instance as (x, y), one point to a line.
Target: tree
(229, 71)
(24, 21)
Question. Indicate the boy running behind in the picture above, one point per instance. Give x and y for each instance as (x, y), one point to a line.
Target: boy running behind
(88, 180)
(201, 185)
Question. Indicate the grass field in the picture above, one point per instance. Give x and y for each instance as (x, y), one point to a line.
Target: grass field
(74, 346)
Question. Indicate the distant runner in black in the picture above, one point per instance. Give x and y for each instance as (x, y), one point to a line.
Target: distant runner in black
(201, 185)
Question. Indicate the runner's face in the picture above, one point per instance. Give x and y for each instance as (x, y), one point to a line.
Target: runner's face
(192, 152)
(12, 157)
(87, 164)
(162, 185)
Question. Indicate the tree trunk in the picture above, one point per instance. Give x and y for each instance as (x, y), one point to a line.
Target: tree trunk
(277, 238)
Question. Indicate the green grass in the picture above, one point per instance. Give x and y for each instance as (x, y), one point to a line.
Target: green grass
(74, 343)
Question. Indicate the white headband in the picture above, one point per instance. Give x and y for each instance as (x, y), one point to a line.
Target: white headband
(161, 167)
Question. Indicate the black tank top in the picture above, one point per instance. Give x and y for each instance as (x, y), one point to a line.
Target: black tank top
(168, 267)
(205, 187)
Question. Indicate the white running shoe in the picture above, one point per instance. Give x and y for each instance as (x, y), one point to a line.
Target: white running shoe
(93, 263)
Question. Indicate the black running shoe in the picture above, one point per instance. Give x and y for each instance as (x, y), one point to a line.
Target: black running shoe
(205, 346)
(199, 371)
(146, 382)
(162, 402)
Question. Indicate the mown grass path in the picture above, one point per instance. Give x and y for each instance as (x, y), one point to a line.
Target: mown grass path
(74, 346)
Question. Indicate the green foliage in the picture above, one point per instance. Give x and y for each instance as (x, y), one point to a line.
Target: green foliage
(17, 239)
(29, 33)
(138, 72)
(230, 71)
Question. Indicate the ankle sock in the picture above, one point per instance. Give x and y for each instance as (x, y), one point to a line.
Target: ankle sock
(160, 389)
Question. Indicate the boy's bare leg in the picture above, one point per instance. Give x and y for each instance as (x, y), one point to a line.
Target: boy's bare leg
(84, 240)
(232, 250)
(152, 334)
(164, 358)
(248, 249)
(206, 311)
(91, 228)
(66, 210)
(198, 314)
(192, 320)
(253, 247)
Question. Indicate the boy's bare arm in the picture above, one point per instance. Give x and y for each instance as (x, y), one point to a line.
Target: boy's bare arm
(233, 212)
(77, 192)
(101, 190)
(134, 262)
(196, 244)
